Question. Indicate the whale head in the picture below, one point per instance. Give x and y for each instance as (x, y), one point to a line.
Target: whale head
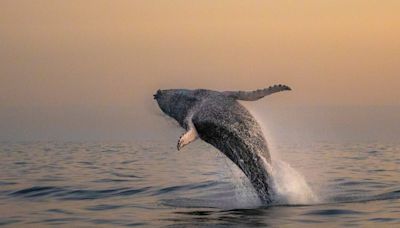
(176, 103)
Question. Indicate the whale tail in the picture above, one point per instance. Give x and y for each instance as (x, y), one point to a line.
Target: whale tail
(256, 94)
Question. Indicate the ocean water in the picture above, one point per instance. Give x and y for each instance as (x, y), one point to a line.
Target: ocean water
(150, 183)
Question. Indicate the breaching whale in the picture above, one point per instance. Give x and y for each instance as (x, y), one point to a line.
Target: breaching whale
(220, 120)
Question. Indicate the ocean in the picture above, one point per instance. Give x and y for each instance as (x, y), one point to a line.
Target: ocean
(150, 183)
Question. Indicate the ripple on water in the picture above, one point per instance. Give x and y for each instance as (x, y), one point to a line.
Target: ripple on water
(7, 221)
(73, 185)
(3, 183)
(333, 212)
(186, 187)
(36, 191)
(59, 211)
(384, 220)
(75, 194)
(103, 207)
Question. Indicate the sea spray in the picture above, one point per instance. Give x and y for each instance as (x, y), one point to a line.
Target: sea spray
(244, 193)
(288, 185)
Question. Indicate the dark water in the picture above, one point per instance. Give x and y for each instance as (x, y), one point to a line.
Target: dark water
(152, 184)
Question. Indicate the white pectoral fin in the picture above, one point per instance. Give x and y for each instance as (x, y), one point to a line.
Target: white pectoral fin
(188, 137)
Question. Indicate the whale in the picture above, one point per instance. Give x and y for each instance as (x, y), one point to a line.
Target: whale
(220, 120)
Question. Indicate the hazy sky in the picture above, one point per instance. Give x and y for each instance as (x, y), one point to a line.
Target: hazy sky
(67, 56)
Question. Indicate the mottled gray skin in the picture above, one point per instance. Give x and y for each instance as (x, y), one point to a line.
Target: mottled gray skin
(223, 122)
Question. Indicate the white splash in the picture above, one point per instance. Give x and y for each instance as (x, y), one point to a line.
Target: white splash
(245, 195)
(289, 186)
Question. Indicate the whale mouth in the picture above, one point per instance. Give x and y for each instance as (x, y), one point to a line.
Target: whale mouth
(157, 95)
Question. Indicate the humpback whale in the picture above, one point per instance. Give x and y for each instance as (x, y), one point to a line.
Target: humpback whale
(220, 120)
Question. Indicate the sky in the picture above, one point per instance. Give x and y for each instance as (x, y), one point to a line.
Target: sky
(88, 69)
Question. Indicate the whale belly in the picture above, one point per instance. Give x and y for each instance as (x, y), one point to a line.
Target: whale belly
(234, 132)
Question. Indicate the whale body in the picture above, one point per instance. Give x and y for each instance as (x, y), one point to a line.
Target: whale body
(220, 120)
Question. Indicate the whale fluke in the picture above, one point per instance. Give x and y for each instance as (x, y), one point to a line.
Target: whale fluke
(256, 94)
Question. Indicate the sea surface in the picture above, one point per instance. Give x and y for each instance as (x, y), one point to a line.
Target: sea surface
(150, 183)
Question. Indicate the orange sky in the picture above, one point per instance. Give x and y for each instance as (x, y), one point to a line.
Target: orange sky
(68, 67)
(119, 52)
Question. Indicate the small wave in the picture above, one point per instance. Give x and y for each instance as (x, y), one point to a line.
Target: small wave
(59, 221)
(383, 220)
(36, 191)
(108, 180)
(333, 212)
(361, 183)
(290, 187)
(59, 211)
(68, 193)
(74, 194)
(387, 195)
(98, 194)
(373, 152)
(186, 187)
(102, 207)
(173, 189)
(4, 222)
(3, 183)
(124, 175)
(194, 203)
(357, 198)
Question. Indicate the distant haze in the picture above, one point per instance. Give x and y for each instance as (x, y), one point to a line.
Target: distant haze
(86, 70)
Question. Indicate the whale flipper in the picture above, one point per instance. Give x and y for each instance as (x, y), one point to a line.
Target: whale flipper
(189, 136)
(256, 94)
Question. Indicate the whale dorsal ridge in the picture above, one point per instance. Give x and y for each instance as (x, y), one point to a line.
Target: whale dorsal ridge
(256, 94)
